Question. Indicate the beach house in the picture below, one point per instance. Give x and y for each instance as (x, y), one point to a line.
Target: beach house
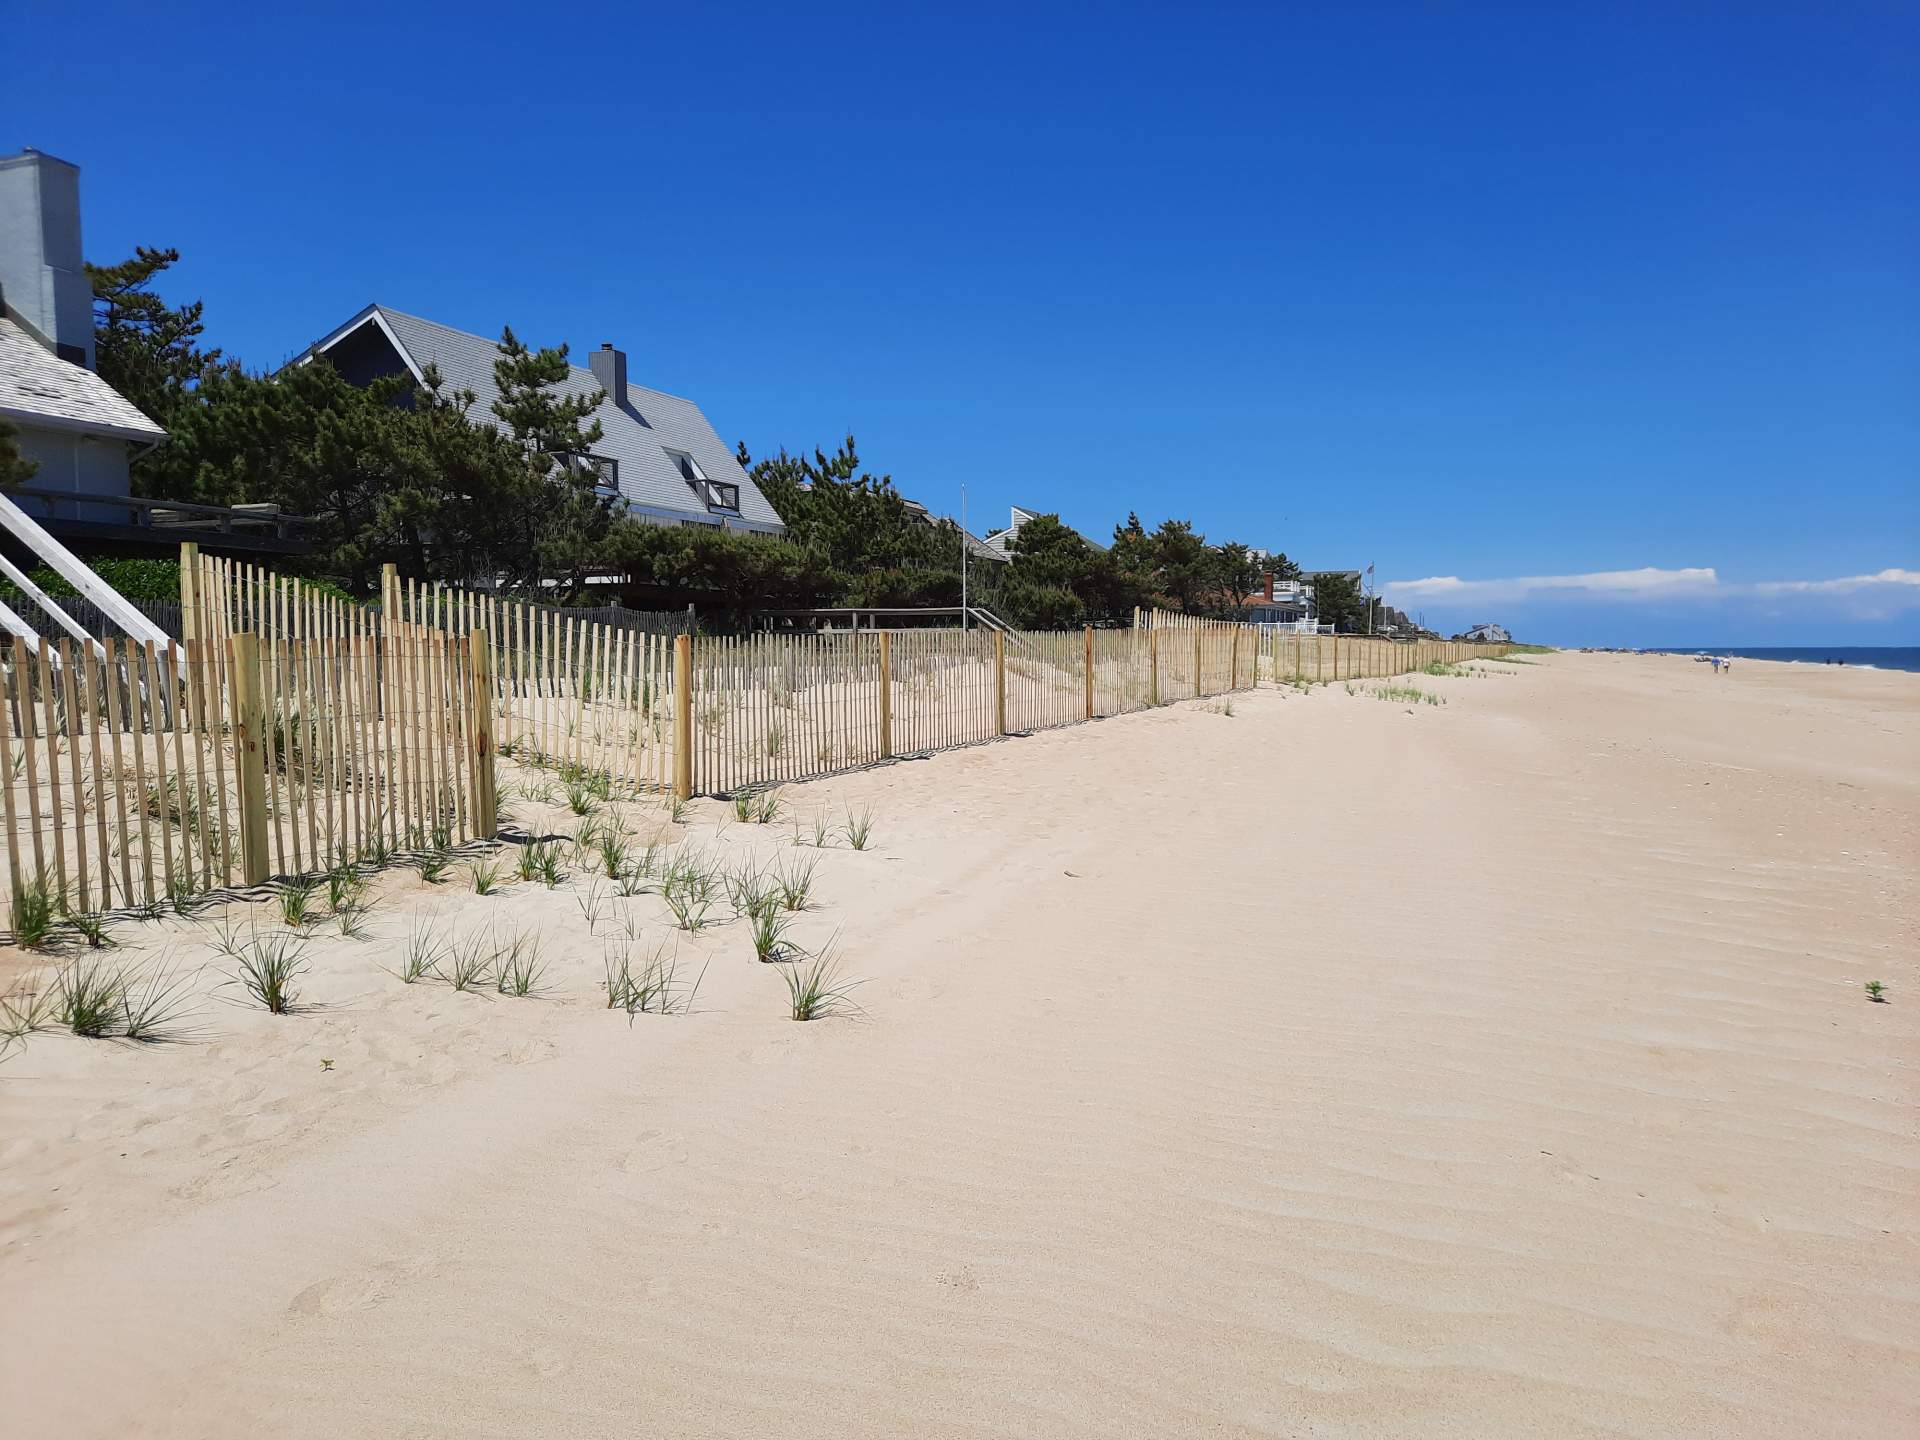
(658, 456)
(78, 432)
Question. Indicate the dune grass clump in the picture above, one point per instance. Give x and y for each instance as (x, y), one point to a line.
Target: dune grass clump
(580, 799)
(762, 808)
(794, 881)
(747, 888)
(268, 968)
(817, 990)
(344, 887)
(468, 967)
(485, 875)
(612, 848)
(541, 861)
(150, 1009)
(89, 998)
(768, 928)
(859, 828)
(31, 912)
(351, 919)
(91, 927)
(1407, 694)
(433, 863)
(25, 1012)
(422, 953)
(593, 906)
(517, 966)
(690, 908)
(297, 902)
(651, 988)
(1876, 992)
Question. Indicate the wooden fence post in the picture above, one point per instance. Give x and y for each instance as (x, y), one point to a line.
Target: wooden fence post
(1089, 672)
(249, 755)
(486, 794)
(189, 592)
(886, 695)
(1197, 692)
(1233, 666)
(683, 716)
(999, 682)
(1153, 667)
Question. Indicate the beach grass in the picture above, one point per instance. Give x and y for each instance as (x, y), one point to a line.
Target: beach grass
(468, 965)
(859, 828)
(30, 913)
(89, 997)
(794, 880)
(518, 968)
(268, 968)
(817, 990)
(768, 928)
(422, 953)
(297, 902)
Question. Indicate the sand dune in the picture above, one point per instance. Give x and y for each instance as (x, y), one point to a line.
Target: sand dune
(1333, 1067)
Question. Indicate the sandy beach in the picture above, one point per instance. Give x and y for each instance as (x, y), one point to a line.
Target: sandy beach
(1281, 1065)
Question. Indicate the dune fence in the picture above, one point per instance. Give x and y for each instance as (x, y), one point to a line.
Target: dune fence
(291, 731)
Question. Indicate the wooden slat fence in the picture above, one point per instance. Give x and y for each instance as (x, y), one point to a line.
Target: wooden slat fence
(290, 730)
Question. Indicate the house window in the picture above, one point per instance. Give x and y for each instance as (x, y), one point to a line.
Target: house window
(714, 494)
(605, 469)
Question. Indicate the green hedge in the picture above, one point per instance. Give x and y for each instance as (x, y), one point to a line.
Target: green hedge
(135, 579)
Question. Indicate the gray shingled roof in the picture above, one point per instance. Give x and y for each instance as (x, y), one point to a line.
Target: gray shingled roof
(1000, 540)
(37, 387)
(638, 437)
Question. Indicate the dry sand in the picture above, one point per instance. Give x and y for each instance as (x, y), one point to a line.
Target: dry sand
(1333, 1067)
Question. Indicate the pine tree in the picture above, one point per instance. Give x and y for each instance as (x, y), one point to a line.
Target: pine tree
(566, 517)
(15, 468)
(144, 348)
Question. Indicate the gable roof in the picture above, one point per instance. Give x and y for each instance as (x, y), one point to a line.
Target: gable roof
(37, 387)
(1001, 540)
(639, 436)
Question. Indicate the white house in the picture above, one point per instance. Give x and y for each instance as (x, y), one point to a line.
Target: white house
(78, 429)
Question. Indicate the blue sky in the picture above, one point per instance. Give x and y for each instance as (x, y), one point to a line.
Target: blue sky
(1499, 295)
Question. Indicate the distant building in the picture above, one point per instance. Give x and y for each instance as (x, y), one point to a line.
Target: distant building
(1487, 633)
(977, 548)
(1002, 540)
(79, 430)
(657, 455)
(1282, 605)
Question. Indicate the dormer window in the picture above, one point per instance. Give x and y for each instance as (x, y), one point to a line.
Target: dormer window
(714, 494)
(605, 469)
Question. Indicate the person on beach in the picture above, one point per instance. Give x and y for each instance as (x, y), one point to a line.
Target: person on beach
(1715, 659)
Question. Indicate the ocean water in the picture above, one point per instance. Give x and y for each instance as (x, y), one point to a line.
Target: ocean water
(1877, 657)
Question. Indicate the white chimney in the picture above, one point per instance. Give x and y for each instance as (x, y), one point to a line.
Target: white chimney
(43, 278)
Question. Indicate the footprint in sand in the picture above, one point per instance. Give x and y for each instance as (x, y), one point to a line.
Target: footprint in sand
(359, 1289)
(665, 1151)
(531, 1051)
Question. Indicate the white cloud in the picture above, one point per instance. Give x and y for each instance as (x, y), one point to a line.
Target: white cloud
(1644, 584)
(1882, 592)
(1845, 585)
